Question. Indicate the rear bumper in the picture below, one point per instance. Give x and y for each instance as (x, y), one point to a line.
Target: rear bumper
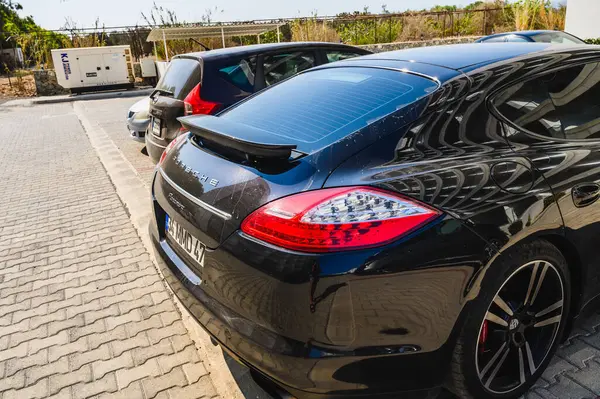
(378, 322)
(308, 373)
(155, 146)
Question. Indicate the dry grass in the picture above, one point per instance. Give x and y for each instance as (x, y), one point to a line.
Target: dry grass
(313, 30)
(538, 14)
(21, 85)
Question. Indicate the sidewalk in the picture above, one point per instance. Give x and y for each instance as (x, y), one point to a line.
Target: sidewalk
(83, 311)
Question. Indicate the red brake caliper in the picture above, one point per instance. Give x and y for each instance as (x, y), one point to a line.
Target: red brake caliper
(483, 336)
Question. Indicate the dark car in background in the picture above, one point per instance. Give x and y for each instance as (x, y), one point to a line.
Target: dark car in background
(393, 223)
(532, 36)
(209, 82)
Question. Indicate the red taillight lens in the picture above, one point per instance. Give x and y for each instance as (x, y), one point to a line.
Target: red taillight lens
(171, 145)
(195, 105)
(337, 219)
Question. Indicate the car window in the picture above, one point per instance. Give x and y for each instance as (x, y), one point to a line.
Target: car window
(516, 39)
(281, 66)
(563, 104)
(529, 106)
(557, 38)
(575, 93)
(496, 39)
(336, 55)
(241, 74)
(181, 76)
(320, 107)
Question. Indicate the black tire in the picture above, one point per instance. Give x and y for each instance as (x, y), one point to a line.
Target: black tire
(464, 380)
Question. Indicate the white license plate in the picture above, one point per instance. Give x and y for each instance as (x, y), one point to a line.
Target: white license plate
(156, 127)
(190, 244)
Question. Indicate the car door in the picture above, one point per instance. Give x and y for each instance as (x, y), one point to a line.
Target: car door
(278, 66)
(554, 118)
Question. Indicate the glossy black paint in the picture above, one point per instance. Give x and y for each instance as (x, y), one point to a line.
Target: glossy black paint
(385, 320)
(215, 89)
(526, 36)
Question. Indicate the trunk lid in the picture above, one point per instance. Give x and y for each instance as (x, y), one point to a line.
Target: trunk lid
(286, 140)
(166, 102)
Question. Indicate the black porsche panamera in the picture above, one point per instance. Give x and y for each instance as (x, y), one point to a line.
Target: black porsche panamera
(394, 223)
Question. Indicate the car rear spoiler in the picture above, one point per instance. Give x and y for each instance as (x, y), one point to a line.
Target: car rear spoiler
(240, 137)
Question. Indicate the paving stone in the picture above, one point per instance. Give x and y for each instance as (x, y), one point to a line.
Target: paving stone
(203, 388)
(34, 374)
(154, 385)
(567, 388)
(588, 377)
(188, 355)
(39, 390)
(107, 384)
(102, 367)
(17, 381)
(59, 381)
(17, 364)
(133, 391)
(194, 371)
(126, 377)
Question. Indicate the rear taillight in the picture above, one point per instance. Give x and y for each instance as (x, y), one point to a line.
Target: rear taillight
(195, 105)
(171, 145)
(337, 219)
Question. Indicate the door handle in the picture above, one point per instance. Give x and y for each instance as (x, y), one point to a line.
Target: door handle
(585, 194)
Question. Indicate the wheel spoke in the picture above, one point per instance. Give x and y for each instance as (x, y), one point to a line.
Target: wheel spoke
(531, 282)
(550, 308)
(503, 305)
(495, 319)
(516, 318)
(497, 368)
(532, 367)
(493, 360)
(540, 282)
(521, 366)
(547, 322)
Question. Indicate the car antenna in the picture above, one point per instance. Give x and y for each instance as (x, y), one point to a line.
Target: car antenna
(205, 47)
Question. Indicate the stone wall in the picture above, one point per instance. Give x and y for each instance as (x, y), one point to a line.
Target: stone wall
(46, 83)
(381, 47)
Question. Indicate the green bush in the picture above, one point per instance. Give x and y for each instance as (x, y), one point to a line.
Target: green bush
(593, 41)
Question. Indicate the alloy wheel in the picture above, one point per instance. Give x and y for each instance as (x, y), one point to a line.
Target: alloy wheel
(520, 327)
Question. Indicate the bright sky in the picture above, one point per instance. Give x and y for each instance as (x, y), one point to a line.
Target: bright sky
(51, 14)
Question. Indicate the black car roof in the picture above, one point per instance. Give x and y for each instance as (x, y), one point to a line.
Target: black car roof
(458, 56)
(261, 48)
(527, 33)
(444, 62)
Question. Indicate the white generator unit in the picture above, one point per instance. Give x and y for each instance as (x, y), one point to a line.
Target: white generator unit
(148, 67)
(93, 68)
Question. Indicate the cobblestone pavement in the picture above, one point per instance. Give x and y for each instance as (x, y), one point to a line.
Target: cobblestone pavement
(83, 311)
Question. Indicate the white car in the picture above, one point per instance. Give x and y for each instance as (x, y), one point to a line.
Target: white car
(138, 119)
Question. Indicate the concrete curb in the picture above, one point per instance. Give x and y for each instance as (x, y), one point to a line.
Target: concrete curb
(92, 96)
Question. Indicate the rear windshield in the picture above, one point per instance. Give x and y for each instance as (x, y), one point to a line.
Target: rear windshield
(317, 108)
(179, 79)
(557, 37)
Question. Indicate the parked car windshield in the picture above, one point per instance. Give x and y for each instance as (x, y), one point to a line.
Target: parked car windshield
(181, 76)
(320, 107)
(557, 37)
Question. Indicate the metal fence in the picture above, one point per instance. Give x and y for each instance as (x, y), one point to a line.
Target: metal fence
(356, 28)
